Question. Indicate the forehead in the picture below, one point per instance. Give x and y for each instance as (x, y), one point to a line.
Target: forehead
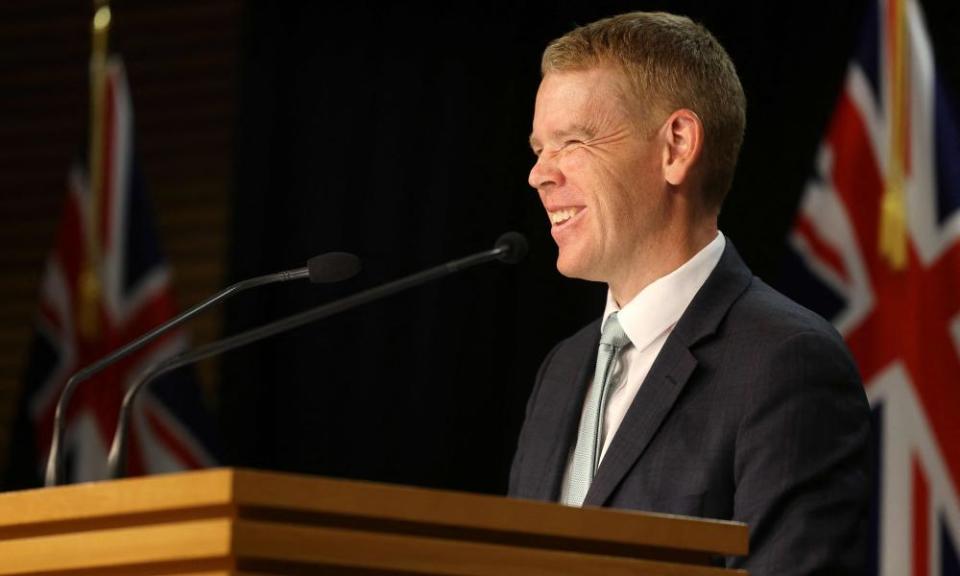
(593, 97)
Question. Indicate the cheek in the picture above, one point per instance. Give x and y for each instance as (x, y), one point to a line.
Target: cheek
(589, 174)
(616, 192)
(575, 162)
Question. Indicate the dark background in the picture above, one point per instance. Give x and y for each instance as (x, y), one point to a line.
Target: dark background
(399, 132)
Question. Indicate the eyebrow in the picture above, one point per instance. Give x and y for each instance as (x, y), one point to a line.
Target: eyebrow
(574, 130)
(533, 142)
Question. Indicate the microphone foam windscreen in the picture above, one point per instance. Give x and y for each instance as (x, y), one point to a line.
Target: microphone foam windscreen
(333, 267)
(515, 245)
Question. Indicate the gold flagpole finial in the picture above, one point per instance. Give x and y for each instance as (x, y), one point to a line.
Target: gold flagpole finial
(101, 18)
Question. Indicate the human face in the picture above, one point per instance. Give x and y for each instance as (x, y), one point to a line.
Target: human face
(597, 174)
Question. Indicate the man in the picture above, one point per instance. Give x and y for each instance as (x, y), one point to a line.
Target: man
(701, 391)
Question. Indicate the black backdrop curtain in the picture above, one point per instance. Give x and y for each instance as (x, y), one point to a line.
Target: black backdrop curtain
(398, 132)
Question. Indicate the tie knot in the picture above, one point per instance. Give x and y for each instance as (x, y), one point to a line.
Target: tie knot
(613, 334)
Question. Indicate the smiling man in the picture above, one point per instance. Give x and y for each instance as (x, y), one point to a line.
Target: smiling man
(701, 391)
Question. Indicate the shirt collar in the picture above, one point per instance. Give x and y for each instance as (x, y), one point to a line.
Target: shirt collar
(658, 307)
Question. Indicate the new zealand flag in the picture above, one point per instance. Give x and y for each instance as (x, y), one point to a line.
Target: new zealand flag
(106, 283)
(875, 248)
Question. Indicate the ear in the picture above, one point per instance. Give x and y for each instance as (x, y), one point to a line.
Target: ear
(683, 133)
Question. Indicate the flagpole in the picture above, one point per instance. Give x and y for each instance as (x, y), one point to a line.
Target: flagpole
(90, 281)
(893, 210)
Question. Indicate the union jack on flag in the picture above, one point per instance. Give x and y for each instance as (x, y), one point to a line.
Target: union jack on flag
(876, 249)
(104, 284)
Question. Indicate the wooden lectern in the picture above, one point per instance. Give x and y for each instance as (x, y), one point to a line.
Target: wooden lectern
(229, 521)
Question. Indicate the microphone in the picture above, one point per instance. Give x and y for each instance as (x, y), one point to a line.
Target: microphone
(321, 269)
(510, 248)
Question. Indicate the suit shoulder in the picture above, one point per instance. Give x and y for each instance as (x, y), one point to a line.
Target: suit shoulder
(763, 311)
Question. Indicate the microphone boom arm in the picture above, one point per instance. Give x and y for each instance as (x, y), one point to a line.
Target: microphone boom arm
(54, 471)
(116, 462)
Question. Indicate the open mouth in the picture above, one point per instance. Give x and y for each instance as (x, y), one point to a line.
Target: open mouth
(563, 216)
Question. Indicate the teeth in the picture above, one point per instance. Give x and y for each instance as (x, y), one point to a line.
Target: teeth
(561, 216)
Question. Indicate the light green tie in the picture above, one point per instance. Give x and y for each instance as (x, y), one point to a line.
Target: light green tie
(586, 454)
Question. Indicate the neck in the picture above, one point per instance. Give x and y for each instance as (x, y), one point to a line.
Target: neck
(660, 257)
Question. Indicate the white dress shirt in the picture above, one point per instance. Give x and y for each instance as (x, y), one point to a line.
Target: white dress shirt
(648, 320)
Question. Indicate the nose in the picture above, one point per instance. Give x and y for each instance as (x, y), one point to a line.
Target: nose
(545, 172)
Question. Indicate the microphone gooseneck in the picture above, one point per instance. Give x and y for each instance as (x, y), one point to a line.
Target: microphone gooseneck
(510, 248)
(329, 267)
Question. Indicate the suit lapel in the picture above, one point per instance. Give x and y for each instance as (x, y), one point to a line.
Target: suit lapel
(653, 401)
(564, 388)
(669, 374)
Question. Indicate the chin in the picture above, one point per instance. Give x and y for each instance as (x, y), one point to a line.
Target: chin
(574, 268)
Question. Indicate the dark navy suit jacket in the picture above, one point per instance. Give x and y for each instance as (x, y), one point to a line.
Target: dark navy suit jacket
(753, 411)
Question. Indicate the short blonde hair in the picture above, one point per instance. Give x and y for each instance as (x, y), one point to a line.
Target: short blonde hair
(670, 63)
